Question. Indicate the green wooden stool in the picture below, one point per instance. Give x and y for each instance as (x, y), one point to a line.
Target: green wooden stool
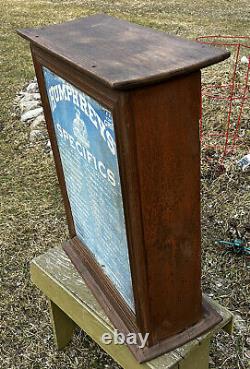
(73, 304)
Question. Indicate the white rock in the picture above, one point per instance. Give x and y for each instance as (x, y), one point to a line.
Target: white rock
(26, 97)
(36, 96)
(26, 105)
(36, 135)
(48, 144)
(32, 114)
(47, 148)
(38, 123)
(32, 87)
(19, 97)
(244, 60)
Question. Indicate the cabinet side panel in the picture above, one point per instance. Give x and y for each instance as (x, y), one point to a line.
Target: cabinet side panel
(168, 154)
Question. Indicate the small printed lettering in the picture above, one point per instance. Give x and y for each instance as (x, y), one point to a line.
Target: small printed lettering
(87, 155)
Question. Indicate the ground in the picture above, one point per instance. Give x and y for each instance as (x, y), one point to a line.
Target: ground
(31, 212)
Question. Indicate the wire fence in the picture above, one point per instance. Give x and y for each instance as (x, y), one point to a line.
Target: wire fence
(224, 117)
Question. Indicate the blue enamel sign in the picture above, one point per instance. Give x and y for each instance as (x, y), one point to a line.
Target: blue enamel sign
(87, 146)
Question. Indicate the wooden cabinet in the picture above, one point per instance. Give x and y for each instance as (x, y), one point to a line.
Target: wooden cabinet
(122, 108)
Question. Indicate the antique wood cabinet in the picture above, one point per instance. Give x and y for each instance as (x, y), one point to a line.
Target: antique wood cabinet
(122, 106)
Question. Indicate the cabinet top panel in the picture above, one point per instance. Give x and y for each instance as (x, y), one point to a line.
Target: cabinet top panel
(121, 54)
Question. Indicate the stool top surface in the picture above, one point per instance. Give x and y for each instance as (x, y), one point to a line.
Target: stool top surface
(56, 276)
(121, 54)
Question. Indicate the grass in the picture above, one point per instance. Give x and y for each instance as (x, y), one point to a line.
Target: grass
(31, 212)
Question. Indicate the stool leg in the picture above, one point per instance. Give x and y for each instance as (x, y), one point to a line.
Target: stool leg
(63, 326)
(198, 358)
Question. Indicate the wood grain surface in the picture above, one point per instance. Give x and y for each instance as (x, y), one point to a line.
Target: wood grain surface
(168, 160)
(122, 54)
